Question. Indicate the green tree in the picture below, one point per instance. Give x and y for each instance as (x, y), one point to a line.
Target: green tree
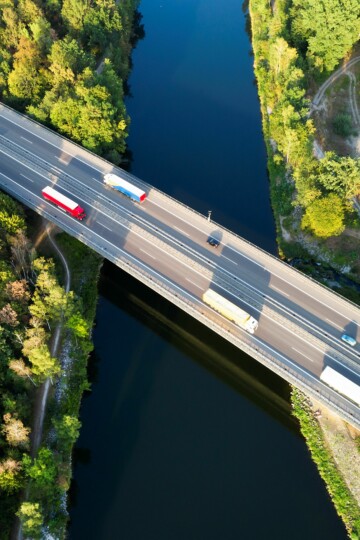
(41, 33)
(78, 325)
(89, 116)
(340, 174)
(73, 13)
(10, 475)
(31, 519)
(67, 60)
(328, 28)
(26, 80)
(49, 298)
(42, 470)
(67, 429)
(11, 215)
(325, 216)
(100, 22)
(43, 365)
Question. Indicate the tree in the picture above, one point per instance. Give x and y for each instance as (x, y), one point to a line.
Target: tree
(12, 217)
(325, 216)
(73, 13)
(41, 31)
(29, 11)
(42, 470)
(67, 428)
(67, 60)
(18, 291)
(43, 365)
(49, 299)
(78, 325)
(328, 29)
(90, 117)
(34, 338)
(21, 369)
(26, 80)
(31, 519)
(14, 28)
(100, 22)
(22, 255)
(8, 316)
(340, 174)
(15, 432)
(10, 478)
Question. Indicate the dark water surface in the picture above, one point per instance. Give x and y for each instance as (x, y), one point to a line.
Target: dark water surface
(184, 437)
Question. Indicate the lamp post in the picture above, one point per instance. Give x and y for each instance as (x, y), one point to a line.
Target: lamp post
(209, 215)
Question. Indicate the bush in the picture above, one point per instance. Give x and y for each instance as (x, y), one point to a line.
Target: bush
(343, 126)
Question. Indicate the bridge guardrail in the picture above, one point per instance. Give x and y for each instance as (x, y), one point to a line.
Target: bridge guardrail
(169, 197)
(287, 372)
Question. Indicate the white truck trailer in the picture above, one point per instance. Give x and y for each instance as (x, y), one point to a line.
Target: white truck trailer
(230, 310)
(341, 384)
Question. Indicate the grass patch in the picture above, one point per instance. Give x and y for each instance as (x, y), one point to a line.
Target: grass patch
(345, 504)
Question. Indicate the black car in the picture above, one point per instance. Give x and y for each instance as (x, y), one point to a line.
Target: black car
(213, 241)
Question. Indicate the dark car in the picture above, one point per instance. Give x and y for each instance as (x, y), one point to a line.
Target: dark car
(213, 241)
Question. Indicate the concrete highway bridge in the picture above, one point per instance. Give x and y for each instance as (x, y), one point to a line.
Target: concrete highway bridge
(163, 243)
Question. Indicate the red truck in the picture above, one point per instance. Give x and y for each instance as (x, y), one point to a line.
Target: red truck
(64, 203)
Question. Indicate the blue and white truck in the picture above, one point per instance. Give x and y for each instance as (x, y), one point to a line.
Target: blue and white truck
(135, 193)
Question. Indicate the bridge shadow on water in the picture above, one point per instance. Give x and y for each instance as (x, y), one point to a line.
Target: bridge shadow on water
(221, 358)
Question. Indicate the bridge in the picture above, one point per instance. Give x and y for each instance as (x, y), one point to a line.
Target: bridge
(163, 243)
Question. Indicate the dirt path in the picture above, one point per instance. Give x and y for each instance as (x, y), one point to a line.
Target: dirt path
(341, 71)
(43, 390)
(42, 394)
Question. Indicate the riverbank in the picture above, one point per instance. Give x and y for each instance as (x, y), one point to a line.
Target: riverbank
(56, 408)
(289, 153)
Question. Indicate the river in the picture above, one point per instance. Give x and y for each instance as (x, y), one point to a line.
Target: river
(183, 436)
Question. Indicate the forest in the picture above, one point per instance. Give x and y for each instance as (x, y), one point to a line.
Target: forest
(297, 45)
(32, 302)
(50, 52)
(63, 63)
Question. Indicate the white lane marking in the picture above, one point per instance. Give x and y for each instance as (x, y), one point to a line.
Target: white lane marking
(63, 160)
(261, 265)
(280, 291)
(147, 253)
(225, 257)
(263, 344)
(108, 228)
(97, 179)
(26, 177)
(302, 354)
(25, 139)
(251, 259)
(334, 324)
(178, 229)
(49, 142)
(193, 283)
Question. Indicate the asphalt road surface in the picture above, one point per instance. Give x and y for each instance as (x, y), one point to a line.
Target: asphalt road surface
(300, 322)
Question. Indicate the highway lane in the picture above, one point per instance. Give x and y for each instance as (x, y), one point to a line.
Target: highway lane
(170, 242)
(250, 273)
(181, 272)
(287, 292)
